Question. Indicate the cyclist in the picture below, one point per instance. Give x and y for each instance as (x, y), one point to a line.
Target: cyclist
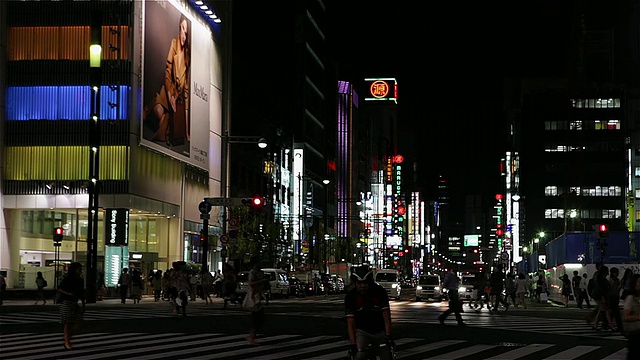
(368, 316)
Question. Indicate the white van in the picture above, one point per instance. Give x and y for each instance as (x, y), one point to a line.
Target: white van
(429, 287)
(279, 281)
(389, 279)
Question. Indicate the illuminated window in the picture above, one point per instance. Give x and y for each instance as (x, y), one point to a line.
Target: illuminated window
(576, 125)
(611, 213)
(550, 191)
(637, 194)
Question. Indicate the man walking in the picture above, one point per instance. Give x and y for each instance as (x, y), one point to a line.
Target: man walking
(497, 279)
(575, 285)
(450, 283)
(584, 295)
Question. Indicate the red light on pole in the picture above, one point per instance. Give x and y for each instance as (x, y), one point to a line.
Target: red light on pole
(499, 197)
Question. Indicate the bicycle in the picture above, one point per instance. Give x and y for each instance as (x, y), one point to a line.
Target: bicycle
(374, 351)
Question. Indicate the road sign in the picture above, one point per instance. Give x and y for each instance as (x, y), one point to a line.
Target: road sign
(220, 201)
(204, 207)
(233, 234)
(504, 256)
(205, 216)
(224, 239)
(223, 252)
(233, 222)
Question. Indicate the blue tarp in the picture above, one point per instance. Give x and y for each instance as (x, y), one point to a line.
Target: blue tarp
(621, 247)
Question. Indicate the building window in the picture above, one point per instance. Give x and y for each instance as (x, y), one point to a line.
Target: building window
(611, 213)
(550, 191)
(595, 103)
(637, 193)
(553, 213)
(576, 125)
(637, 172)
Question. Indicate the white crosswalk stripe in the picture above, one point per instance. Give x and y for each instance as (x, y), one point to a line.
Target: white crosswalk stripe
(204, 346)
(107, 314)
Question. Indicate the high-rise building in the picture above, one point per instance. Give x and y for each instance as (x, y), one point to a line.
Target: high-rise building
(144, 124)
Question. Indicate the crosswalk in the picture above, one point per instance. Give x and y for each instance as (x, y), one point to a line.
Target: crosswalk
(203, 346)
(400, 314)
(107, 314)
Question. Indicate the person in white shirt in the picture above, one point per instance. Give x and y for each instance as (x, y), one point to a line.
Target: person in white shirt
(584, 282)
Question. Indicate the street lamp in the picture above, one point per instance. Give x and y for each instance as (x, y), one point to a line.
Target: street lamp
(95, 77)
(227, 140)
(307, 214)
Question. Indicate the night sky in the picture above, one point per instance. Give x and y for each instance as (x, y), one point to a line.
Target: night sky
(450, 60)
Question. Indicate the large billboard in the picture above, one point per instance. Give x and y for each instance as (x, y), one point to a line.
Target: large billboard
(175, 83)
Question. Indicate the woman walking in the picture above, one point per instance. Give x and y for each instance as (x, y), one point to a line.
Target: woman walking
(521, 290)
(566, 289)
(254, 294)
(41, 283)
(71, 291)
(156, 283)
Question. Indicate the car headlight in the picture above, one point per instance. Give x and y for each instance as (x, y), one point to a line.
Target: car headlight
(393, 286)
(462, 289)
(436, 288)
(418, 287)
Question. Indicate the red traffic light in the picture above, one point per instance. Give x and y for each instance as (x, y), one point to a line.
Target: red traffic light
(603, 227)
(59, 231)
(257, 201)
(402, 210)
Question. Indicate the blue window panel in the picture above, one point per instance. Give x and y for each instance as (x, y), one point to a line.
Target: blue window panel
(65, 102)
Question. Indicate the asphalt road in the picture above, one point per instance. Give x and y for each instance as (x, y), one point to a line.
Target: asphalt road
(305, 328)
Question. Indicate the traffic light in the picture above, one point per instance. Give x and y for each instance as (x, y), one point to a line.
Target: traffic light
(202, 237)
(601, 231)
(58, 233)
(257, 202)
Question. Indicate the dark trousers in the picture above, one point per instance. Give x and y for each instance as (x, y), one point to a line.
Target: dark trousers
(582, 296)
(454, 307)
(123, 293)
(499, 300)
(614, 307)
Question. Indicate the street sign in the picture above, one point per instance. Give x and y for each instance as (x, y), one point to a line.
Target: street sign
(504, 256)
(223, 252)
(233, 222)
(233, 234)
(205, 216)
(204, 207)
(220, 201)
(224, 239)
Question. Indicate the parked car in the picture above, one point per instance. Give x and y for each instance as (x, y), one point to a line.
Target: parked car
(242, 280)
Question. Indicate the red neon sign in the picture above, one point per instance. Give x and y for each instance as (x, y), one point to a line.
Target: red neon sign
(379, 89)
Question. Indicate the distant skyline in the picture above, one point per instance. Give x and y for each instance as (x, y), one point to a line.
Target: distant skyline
(450, 62)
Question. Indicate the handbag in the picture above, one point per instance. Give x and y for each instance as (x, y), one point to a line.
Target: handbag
(251, 302)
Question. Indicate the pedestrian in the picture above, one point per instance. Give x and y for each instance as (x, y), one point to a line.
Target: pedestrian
(179, 287)
(584, 295)
(451, 282)
(613, 300)
(207, 285)
(3, 287)
(230, 284)
(632, 319)
(575, 285)
(510, 288)
(497, 279)
(254, 302)
(194, 281)
(625, 283)
(71, 291)
(521, 290)
(600, 295)
(136, 285)
(41, 283)
(124, 281)
(156, 283)
(100, 286)
(217, 284)
(566, 289)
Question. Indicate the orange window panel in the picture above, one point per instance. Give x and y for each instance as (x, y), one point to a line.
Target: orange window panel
(64, 43)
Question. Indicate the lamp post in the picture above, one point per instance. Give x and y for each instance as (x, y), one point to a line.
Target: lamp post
(227, 140)
(307, 215)
(95, 56)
